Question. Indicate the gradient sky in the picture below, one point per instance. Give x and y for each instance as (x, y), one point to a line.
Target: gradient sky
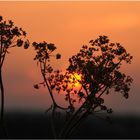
(69, 25)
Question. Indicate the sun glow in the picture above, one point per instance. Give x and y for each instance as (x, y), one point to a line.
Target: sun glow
(75, 78)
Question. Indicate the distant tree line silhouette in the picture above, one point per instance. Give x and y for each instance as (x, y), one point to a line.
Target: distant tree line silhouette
(98, 64)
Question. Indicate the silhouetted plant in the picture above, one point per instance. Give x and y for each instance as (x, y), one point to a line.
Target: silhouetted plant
(44, 54)
(10, 36)
(98, 66)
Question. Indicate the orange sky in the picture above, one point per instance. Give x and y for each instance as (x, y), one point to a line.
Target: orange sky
(69, 25)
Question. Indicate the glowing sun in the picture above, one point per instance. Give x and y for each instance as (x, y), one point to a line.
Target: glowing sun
(75, 78)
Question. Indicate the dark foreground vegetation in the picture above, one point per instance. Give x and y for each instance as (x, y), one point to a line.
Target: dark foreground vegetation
(37, 125)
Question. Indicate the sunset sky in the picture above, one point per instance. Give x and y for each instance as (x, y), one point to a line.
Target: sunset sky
(68, 25)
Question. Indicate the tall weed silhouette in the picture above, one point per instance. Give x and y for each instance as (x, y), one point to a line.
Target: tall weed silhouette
(98, 65)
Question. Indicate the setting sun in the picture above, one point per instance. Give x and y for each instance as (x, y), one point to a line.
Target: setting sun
(75, 78)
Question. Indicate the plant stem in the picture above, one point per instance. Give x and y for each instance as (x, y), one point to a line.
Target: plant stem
(53, 123)
(2, 98)
(76, 124)
(69, 123)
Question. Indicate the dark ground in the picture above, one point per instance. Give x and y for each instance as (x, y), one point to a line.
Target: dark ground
(37, 125)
